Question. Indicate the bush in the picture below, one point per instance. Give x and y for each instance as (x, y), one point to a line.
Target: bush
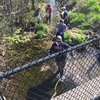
(16, 38)
(97, 18)
(41, 27)
(80, 38)
(29, 17)
(82, 31)
(41, 30)
(68, 37)
(40, 34)
(77, 19)
(83, 12)
(81, 6)
(45, 29)
(93, 5)
(85, 25)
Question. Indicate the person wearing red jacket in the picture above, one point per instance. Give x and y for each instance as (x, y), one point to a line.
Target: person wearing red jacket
(48, 13)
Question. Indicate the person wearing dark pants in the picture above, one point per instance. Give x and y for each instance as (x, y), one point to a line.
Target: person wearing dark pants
(48, 13)
(48, 19)
(61, 28)
(65, 15)
(57, 46)
(61, 66)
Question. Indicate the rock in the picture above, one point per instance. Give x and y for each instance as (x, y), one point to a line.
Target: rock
(3, 53)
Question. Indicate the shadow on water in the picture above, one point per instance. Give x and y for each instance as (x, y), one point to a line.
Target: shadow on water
(40, 92)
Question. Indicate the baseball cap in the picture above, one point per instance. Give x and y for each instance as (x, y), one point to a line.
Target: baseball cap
(59, 37)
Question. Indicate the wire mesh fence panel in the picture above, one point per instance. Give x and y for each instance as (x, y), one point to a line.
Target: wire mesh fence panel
(39, 79)
(36, 76)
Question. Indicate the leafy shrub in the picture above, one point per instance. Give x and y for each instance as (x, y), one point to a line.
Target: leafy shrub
(77, 19)
(97, 18)
(90, 10)
(68, 37)
(45, 29)
(41, 28)
(81, 6)
(40, 34)
(91, 18)
(29, 17)
(85, 25)
(16, 38)
(82, 31)
(92, 5)
(80, 38)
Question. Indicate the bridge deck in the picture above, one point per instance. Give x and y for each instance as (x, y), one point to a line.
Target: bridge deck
(86, 91)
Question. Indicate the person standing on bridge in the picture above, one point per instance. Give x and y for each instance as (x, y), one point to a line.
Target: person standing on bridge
(57, 46)
(60, 29)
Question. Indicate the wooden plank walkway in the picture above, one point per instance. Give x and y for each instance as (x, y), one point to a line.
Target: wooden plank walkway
(86, 91)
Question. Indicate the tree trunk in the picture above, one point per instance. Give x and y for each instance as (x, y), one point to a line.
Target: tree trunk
(9, 6)
(33, 4)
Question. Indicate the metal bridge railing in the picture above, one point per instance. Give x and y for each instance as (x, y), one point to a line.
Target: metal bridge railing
(40, 80)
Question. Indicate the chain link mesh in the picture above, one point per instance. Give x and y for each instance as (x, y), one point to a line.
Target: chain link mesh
(39, 80)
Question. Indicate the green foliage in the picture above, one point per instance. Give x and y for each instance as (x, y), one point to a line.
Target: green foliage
(82, 31)
(41, 30)
(97, 18)
(68, 37)
(45, 29)
(90, 12)
(85, 25)
(77, 18)
(81, 6)
(80, 38)
(18, 30)
(86, 6)
(40, 34)
(94, 5)
(29, 17)
(74, 1)
(91, 18)
(16, 38)
(40, 26)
